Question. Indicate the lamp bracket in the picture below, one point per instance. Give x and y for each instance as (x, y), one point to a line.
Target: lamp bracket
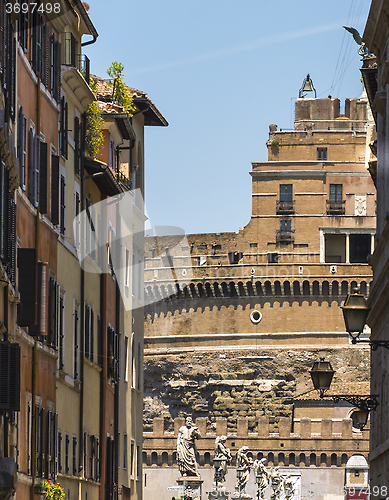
(374, 344)
(369, 403)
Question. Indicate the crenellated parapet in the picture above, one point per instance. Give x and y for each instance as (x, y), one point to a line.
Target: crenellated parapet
(301, 443)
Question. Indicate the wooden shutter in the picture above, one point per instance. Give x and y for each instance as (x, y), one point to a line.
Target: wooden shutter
(62, 200)
(87, 326)
(43, 178)
(45, 55)
(52, 299)
(28, 274)
(9, 376)
(55, 189)
(92, 320)
(40, 327)
(65, 131)
(76, 145)
(57, 71)
(12, 240)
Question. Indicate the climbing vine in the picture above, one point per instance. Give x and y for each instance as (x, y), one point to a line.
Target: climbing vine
(94, 125)
(52, 491)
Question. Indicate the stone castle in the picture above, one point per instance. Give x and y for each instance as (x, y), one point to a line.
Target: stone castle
(233, 344)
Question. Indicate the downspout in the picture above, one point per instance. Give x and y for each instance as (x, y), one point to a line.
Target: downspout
(6, 338)
(35, 346)
(116, 394)
(82, 312)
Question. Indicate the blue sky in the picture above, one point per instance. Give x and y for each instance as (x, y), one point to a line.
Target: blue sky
(221, 72)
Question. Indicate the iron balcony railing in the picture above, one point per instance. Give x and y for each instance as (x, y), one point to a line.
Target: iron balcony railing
(285, 207)
(70, 58)
(336, 208)
(285, 236)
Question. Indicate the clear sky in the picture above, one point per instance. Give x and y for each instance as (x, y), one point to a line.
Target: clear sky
(221, 71)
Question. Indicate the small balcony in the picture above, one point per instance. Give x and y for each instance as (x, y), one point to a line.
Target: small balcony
(73, 60)
(285, 237)
(285, 207)
(336, 208)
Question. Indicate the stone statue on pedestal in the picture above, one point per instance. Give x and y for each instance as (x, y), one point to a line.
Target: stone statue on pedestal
(276, 481)
(186, 449)
(288, 487)
(261, 471)
(245, 463)
(221, 451)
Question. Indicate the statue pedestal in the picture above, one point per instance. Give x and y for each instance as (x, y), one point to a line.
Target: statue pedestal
(192, 485)
(218, 494)
(244, 496)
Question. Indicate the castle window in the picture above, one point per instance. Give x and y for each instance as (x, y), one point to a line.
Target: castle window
(322, 153)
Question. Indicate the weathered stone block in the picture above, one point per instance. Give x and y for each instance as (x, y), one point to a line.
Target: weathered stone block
(263, 427)
(284, 427)
(221, 426)
(326, 428)
(201, 423)
(158, 426)
(242, 427)
(347, 428)
(178, 422)
(305, 428)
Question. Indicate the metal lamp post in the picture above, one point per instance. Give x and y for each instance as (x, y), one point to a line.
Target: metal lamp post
(355, 311)
(322, 374)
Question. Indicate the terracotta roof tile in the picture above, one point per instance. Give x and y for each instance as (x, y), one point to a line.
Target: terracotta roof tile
(338, 388)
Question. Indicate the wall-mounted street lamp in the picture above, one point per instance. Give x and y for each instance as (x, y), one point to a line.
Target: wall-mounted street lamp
(355, 311)
(322, 374)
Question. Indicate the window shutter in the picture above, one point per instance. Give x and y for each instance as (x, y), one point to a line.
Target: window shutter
(45, 55)
(3, 210)
(72, 50)
(55, 189)
(13, 76)
(62, 198)
(55, 446)
(12, 240)
(87, 326)
(27, 264)
(92, 320)
(43, 178)
(57, 71)
(31, 164)
(65, 131)
(20, 143)
(40, 327)
(76, 145)
(9, 376)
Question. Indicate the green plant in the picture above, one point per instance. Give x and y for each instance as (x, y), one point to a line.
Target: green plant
(120, 91)
(94, 125)
(53, 491)
(275, 143)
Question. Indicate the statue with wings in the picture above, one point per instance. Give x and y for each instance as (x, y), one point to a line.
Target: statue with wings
(363, 51)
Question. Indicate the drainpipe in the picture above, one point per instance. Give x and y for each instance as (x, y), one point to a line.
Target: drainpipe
(35, 346)
(82, 312)
(116, 395)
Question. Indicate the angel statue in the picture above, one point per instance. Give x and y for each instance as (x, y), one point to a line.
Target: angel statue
(186, 448)
(221, 451)
(363, 51)
(288, 487)
(245, 463)
(276, 481)
(264, 475)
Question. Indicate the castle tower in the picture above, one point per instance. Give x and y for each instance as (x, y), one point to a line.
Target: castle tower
(237, 339)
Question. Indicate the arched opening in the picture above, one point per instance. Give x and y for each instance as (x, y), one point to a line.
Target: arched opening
(165, 458)
(270, 459)
(217, 290)
(193, 290)
(208, 290)
(207, 458)
(302, 460)
(344, 288)
(335, 288)
(241, 289)
(306, 290)
(323, 459)
(258, 287)
(250, 289)
(164, 292)
(277, 288)
(154, 458)
(144, 458)
(325, 288)
(200, 290)
(259, 456)
(334, 459)
(296, 288)
(363, 287)
(170, 290)
(268, 290)
(315, 288)
(287, 288)
(233, 292)
(353, 285)
(225, 290)
(344, 459)
(292, 459)
(312, 459)
(281, 459)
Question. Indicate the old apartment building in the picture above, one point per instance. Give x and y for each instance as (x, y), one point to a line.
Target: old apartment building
(233, 345)
(71, 320)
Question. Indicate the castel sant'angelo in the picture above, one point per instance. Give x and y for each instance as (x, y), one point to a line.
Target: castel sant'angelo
(232, 345)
